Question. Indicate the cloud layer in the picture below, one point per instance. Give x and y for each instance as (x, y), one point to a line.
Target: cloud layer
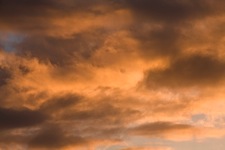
(115, 75)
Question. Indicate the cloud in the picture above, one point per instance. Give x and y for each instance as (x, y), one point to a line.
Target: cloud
(173, 11)
(168, 28)
(53, 136)
(59, 103)
(159, 128)
(158, 41)
(27, 18)
(148, 148)
(188, 71)
(105, 112)
(89, 74)
(12, 118)
(5, 75)
(60, 51)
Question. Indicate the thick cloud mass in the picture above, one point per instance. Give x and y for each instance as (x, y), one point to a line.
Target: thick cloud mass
(53, 137)
(20, 118)
(191, 71)
(171, 11)
(4, 76)
(158, 128)
(60, 51)
(112, 74)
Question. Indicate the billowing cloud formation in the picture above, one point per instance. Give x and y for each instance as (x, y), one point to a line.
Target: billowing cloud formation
(159, 127)
(174, 11)
(4, 75)
(20, 118)
(190, 71)
(54, 137)
(115, 75)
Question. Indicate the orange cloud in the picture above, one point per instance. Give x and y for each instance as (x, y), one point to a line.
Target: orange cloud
(93, 74)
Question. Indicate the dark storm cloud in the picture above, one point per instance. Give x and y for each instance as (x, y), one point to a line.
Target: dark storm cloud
(92, 118)
(173, 10)
(8, 71)
(158, 128)
(9, 138)
(67, 132)
(42, 17)
(24, 69)
(18, 14)
(170, 32)
(11, 118)
(52, 44)
(5, 75)
(163, 41)
(60, 103)
(102, 113)
(159, 41)
(53, 136)
(48, 136)
(195, 70)
(36, 16)
(160, 25)
(61, 51)
(32, 8)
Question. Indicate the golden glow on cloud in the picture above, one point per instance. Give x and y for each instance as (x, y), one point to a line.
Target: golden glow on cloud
(112, 75)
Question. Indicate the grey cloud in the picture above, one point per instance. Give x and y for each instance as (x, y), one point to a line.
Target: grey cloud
(160, 25)
(60, 103)
(53, 136)
(158, 42)
(11, 118)
(102, 113)
(155, 129)
(36, 16)
(5, 75)
(174, 10)
(60, 51)
(195, 70)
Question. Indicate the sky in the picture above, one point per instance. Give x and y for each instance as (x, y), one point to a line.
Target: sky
(112, 75)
